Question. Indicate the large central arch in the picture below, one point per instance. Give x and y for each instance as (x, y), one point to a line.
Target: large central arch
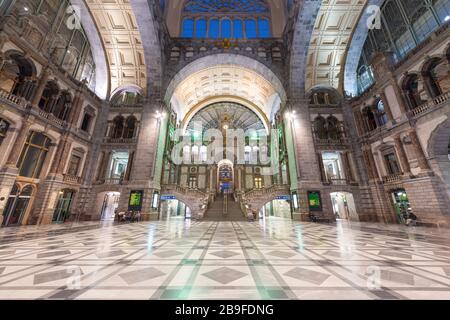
(226, 77)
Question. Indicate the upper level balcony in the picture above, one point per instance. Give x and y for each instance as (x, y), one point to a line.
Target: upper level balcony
(181, 51)
(23, 105)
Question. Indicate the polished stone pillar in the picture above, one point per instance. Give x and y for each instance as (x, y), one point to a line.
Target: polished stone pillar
(75, 110)
(402, 155)
(322, 169)
(399, 95)
(61, 156)
(423, 163)
(346, 165)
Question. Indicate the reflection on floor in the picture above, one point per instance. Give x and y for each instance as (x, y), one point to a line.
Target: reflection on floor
(278, 259)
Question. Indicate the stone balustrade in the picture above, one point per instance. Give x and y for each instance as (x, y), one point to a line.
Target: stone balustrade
(431, 104)
(71, 179)
(396, 177)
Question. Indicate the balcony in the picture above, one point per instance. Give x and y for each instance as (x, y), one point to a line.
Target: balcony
(71, 179)
(12, 99)
(342, 142)
(268, 51)
(120, 140)
(23, 104)
(393, 178)
(430, 105)
(336, 182)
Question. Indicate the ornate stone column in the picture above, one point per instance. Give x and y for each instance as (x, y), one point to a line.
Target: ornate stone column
(76, 108)
(387, 107)
(61, 156)
(19, 143)
(322, 169)
(41, 87)
(423, 163)
(402, 155)
(346, 165)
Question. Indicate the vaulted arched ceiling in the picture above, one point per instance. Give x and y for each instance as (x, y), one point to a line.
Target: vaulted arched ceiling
(331, 36)
(322, 33)
(119, 30)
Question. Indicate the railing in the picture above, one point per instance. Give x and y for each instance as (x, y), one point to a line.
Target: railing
(331, 142)
(396, 177)
(9, 97)
(127, 106)
(225, 204)
(120, 140)
(430, 104)
(50, 117)
(340, 182)
(72, 179)
(267, 190)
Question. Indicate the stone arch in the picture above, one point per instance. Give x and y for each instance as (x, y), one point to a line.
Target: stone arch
(355, 47)
(102, 75)
(227, 59)
(145, 13)
(304, 24)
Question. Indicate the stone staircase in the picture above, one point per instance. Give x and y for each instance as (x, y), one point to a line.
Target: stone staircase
(224, 208)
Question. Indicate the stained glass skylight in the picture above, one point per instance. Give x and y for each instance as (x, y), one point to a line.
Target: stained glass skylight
(226, 6)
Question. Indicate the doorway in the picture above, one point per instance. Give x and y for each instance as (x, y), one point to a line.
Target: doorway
(343, 205)
(401, 204)
(17, 205)
(171, 209)
(62, 210)
(277, 209)
(110, 205)
(225, 172)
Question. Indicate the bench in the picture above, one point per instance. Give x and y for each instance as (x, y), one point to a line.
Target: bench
(319, 218)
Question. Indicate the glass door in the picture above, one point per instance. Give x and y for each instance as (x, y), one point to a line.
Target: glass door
(16, 206)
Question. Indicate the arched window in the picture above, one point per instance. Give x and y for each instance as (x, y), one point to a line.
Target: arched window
(188, 28)
(17, 76)
(118, 127)
(248, 154)
(226, 19)
(200, 28)
(226, 28)
(238, 29)
(334, 132)
(214, 31)
(62, 106)
(381, 113)
(127, 98)
(4, 126)
(187, 155)
(130, 127)
(370, 119)
(33, 155)
(17, 205)
(413, 88)
(203, 154)
(320, 128)
(436, 76)
(49, 97)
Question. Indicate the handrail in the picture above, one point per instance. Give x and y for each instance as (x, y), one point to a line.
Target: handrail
(225, 204)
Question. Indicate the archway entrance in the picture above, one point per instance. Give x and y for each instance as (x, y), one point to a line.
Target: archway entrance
(278, 208)
(17, 205)
(62, 210)
(225, 177)
(109, 205)
(343, 206)
(174, 209)
(401, 204)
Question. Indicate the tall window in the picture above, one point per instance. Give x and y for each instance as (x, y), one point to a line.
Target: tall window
(33, 155)
(391, 163)
(405, 24)
(4, 126)
(74, 165)
(226, 19)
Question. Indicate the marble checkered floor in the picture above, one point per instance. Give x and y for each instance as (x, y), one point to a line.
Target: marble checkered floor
(275, 259)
